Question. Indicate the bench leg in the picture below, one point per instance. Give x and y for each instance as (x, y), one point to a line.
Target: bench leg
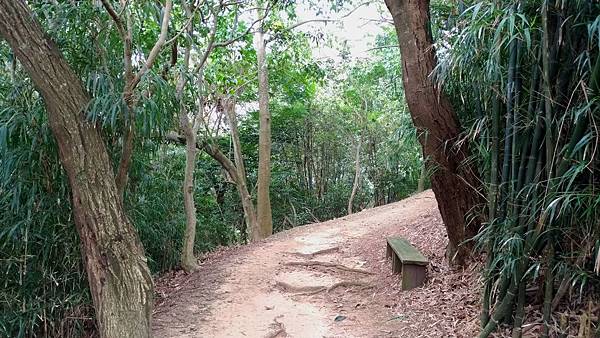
(413, 276)
(388, 251)
(396, 264)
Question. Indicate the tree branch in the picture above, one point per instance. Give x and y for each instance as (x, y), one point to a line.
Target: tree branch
(210, 149)
(246, 32)
(115, 17)
(298, 24)
(164, 30)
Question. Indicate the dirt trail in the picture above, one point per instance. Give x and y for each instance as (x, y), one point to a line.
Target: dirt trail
(329, 279)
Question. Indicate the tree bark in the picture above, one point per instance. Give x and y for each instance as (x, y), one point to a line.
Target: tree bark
(119, 279)
(356, 176)
(126, 155)
(234, 172)
(247, 204)
(452, 180)
(263, 204)
(188, 260)
(190, 128)
(422, 178)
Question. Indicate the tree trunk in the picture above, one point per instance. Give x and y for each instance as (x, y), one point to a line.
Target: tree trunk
(228, 166)
(422, 177)
(247, 204)
(231, 169)
(188, 260)
(263, 203)
(432, 114)
(189, 127)
(119, 279)
(356, 177)
(126, 155)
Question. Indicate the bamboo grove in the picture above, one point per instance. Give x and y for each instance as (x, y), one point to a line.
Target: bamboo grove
(525, 76)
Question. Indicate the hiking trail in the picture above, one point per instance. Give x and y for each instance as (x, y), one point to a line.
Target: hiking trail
(328, 279)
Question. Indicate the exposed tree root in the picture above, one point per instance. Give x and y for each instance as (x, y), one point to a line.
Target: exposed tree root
(312, 290)
(347, 284)
(316, 253)
(299, 289)
(329, 265)
(278, 329)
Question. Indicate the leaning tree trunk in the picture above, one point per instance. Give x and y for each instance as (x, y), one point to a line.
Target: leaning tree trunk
(119, 279)
(233, 171)
(452, 181)
(247, 204)
(263, 200)
(356, 176)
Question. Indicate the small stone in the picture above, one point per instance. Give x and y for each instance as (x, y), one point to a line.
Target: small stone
(339, 318)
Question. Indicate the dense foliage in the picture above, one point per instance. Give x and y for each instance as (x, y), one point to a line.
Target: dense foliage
(525, 76)
(317, 119)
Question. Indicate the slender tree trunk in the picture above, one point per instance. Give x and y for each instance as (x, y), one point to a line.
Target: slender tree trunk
(188, 260)
(356, 176)
(247, 204)
(233, 171)
(228, 166)
(243, 191)
(547, 77)
(422, 177)
(263, 204)
(452, 180)
(119, 279)
(189, 127)
(132, 79)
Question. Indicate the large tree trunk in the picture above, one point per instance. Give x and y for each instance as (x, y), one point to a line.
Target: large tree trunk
(263, 203)
(126, 155)
(452, 180)
(119, 279)
(247, 204)
(356, 176)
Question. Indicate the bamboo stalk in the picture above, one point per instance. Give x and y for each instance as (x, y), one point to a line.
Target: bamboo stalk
(548, 107)
(508, 129)
(493, 194)
(519, 312)
(504, 308)
(548, 291)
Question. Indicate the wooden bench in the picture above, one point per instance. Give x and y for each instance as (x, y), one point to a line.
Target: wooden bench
(408, 261)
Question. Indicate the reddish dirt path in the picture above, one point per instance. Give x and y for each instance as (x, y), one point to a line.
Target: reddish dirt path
(253, 291)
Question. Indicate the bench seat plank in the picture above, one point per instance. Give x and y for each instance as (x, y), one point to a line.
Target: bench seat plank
(406, 252)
